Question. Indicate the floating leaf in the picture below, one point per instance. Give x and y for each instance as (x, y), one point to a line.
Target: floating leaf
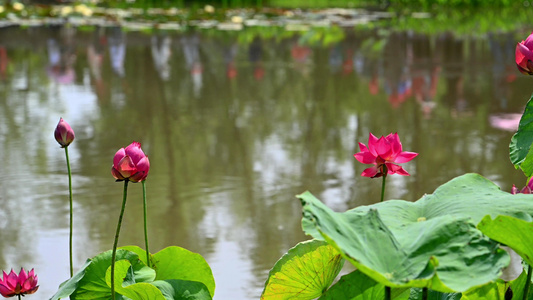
(305, 272)
(429, 243)
(520, 150)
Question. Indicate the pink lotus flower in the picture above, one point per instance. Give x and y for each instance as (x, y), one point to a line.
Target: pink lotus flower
(524, 55)
(64, 134)
(130, 163)
(383, 153)
(21, 284)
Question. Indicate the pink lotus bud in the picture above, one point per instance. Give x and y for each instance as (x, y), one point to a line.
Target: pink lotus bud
(64, 134)
(524, 56)
(130, 163)
(22, 284)
(528, 189)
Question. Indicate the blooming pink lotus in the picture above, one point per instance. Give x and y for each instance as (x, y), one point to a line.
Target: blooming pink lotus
(21, 284)
(130, 163)
(64, 134)
(524, 55)
(383, 153)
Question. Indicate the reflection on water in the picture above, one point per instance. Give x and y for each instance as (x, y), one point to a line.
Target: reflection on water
(235, 126)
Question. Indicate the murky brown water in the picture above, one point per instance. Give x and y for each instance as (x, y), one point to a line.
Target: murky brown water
(235, 126)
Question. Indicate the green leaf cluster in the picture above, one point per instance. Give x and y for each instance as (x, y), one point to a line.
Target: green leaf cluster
(176, 273)
(446, 244)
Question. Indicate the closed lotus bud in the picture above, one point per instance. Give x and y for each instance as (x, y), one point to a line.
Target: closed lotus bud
(64, 134)
(130, 163)
(524, 55)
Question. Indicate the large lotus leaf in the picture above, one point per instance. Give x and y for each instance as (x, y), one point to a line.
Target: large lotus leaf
(125, 283)
(465, 257)
(520, 150)
(358, 286)
(304, 272)
(178, 263)
(93, 285)
(431, 242)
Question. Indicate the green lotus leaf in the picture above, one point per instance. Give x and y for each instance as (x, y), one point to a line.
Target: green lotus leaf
(183, 289)
(357, 286)
(513, 232)
(181, 274)
(126, 285)
(499, 289)
(140, 251)
(304, 272)
(179, 263)
(520, 150)
(68, 287)
(429, 243)
(93, 284)
(417, 294)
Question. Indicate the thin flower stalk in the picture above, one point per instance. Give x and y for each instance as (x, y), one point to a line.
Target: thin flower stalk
(145, 224)
(117, 233)
(71, 214)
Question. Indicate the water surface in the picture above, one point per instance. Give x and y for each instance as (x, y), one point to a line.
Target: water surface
(235, 125)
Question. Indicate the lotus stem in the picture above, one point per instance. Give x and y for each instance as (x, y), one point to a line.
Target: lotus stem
(114, 254)
(383, 183)
(528, 282)
(145, 226)
(424, 293)
(387, 293)
(70, 202)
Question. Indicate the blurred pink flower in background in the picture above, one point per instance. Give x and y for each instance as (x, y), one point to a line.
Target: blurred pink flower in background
(508, 122)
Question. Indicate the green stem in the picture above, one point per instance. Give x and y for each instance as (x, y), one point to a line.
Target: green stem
(145, 230)
(19, 296)
(383, 183)
(387, 293)
(528, 283)
(425, 293)
(114, 255)
(70, 201)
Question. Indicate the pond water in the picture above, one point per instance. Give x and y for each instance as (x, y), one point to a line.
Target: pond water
(235, 124)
